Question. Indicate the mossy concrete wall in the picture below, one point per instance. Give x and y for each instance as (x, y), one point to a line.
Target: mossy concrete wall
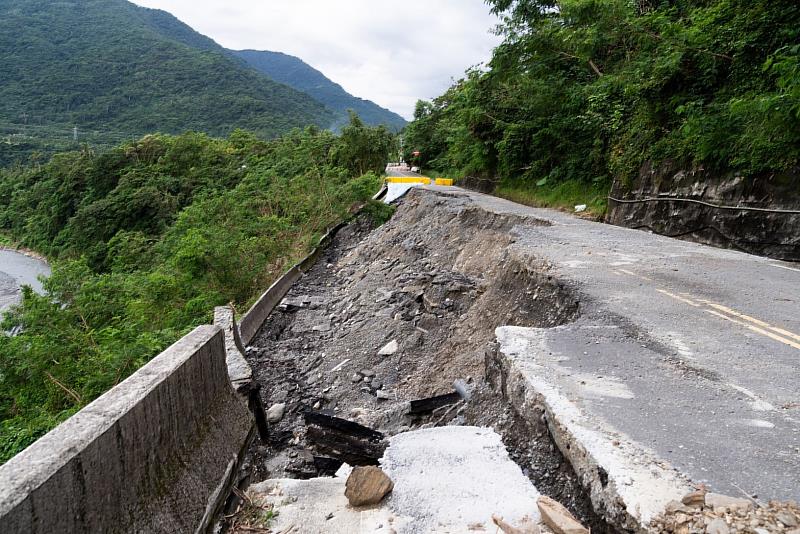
(157, 453)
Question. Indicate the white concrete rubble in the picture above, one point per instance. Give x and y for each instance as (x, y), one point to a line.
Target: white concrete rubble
(452, 479)
(446, 480)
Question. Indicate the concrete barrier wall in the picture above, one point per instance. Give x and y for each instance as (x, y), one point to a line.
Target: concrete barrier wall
(251, 321)
(254, 319)
(157, 453)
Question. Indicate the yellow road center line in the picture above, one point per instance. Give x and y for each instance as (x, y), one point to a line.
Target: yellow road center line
(676, 297)
(631, 273)
(753, 320)
(751, 323)
(755, 329)
(785, 267)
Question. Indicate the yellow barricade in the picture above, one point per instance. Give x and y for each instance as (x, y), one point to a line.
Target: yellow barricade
(408, 180)
(444, 181)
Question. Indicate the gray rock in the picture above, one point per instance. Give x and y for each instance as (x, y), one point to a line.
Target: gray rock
(715, 500)
(367, 485)
(717, 526)
(695, 498)
(382, 395)
(322, 327)
(356, 378)
(275, 412)
(788, 519)
(390, 348)
(367, 373)
(675, 506)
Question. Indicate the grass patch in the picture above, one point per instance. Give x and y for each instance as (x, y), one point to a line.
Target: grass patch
(254, 514)
(563, 195)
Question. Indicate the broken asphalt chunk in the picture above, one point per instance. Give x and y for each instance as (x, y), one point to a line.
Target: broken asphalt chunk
(423, 406)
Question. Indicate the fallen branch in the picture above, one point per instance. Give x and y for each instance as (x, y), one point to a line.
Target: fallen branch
(71, 392)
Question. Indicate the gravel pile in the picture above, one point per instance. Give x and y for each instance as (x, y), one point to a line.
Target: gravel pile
(702, 512)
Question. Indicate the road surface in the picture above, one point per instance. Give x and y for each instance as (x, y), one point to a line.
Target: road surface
(689, 350)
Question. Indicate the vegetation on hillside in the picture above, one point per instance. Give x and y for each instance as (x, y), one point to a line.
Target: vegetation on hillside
(294, 72)
(585, 91)
(117, 71)
(147, 238)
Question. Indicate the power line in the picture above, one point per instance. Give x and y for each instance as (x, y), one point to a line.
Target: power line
(715, 206)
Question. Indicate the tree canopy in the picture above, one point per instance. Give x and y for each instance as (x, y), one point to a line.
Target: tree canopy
(591, 90)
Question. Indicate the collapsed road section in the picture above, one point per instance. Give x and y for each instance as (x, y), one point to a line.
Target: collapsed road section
(582, 345)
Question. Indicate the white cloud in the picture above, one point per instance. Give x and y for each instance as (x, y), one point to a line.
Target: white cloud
(390, 52)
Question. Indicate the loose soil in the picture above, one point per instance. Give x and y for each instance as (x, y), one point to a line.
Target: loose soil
(436, 279)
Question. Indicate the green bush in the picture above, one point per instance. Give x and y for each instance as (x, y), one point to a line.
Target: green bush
(590, 90)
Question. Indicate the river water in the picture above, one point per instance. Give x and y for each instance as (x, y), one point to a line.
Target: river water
(17, 270)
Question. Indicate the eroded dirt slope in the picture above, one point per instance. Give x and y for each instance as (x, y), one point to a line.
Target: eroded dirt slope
(437, 280)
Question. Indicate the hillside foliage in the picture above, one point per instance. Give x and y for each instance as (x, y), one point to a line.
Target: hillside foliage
(117, 71)
(147, 238)
(588, 91)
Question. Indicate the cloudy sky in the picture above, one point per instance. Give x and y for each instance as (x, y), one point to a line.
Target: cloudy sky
(392, 52)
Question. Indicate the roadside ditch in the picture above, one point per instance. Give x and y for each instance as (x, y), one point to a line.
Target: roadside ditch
(400, 313)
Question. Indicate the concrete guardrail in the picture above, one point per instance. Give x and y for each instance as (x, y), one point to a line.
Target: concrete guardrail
(254, 319)
(157, 453)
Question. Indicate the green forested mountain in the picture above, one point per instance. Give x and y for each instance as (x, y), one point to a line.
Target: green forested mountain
(297, 74)
(583, 92)
(118, 71)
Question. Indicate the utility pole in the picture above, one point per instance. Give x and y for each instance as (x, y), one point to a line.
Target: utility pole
(75, 133)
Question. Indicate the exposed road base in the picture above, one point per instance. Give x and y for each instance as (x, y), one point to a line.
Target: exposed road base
(627, 484)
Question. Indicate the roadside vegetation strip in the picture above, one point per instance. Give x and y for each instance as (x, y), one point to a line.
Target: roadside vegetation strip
(147, 240)
(599, 92)
(562, 195)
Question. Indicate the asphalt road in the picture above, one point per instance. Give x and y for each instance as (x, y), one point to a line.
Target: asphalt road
(397, 171)
(689, 350)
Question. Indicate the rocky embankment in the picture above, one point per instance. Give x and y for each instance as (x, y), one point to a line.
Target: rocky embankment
(757, 215)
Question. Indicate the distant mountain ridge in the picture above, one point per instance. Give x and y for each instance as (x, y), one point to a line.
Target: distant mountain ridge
(111, 65)
(116, 71)
(298, 74)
